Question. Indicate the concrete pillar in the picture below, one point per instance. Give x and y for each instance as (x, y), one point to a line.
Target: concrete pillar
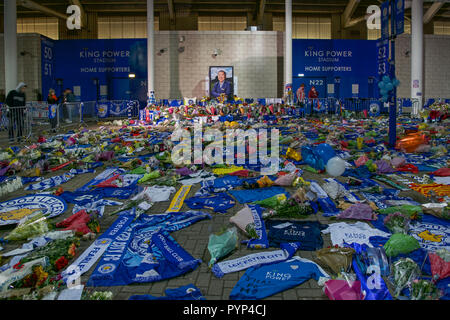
(288, 43)
(10, 38)
(417, 51)
(150, 48)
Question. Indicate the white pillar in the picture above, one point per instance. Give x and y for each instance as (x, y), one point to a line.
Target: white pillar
(417, 51)
(150, 48)
(288, 43)
(10, 43)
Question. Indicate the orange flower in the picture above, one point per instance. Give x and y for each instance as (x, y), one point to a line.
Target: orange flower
(72, 249)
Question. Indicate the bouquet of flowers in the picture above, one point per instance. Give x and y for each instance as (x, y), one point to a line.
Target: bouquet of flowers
(397, 223)
(59, 252)
(424, 290)
(31, 226)
(404, 271)
(292, 209)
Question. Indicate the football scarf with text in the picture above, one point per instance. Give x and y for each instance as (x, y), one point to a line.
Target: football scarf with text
(145, 251)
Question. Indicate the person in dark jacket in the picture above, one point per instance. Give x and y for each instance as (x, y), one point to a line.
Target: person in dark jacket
(15, 101)
(52, 100)
(222, 86)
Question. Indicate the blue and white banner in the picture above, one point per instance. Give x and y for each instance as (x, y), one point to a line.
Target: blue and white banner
(145, 251)
(90, 256)
(399, 12)
(57, 180)
(255, 259)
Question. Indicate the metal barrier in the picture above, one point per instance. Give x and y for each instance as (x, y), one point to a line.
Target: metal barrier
(16, 123)
(69, 113)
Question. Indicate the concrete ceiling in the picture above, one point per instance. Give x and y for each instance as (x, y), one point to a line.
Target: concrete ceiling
(218, 7)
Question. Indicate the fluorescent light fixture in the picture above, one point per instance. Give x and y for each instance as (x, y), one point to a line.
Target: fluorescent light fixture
(301, 75)
(131, 75)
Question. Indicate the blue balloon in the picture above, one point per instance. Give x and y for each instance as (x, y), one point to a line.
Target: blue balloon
(389, 86)
(396, 82)
(381, 84)
(383, 92)
(386, 79)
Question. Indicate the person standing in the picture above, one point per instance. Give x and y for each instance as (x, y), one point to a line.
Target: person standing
(15, 101)
(313, 95)
(67, 99)
(52, 100)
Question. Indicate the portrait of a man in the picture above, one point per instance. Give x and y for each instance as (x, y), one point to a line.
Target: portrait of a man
(221, 81)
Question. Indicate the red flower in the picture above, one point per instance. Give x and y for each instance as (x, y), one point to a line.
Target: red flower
(61, 263)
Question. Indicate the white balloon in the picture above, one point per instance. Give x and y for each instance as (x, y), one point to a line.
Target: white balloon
(335, 166)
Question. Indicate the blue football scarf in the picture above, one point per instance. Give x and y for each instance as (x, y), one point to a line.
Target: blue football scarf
(382, 293)
(307, 233)
(328, 207)
(252, 195)
(267, 280)
(145, 252)
(255, 259)
(88, 258)
(219, 202)
(98, 206)
(261, 242)
(220, 184)
(57, 180)
(189, 292)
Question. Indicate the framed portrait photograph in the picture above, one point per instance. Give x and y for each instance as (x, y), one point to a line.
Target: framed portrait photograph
(221, 81)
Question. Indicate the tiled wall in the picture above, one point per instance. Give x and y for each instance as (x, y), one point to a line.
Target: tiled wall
(254, 56)
(257, 58)
(29, 63)
(436, 66)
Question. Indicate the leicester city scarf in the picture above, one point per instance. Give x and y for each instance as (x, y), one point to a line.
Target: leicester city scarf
(219, 202)
(255, 259)
(57, 180)
(90, 256)
(261, 242)
(145, 252)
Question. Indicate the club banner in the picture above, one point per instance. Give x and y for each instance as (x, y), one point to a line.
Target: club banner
(12, 211)
(102, 109)
(95, 250)
(145, 252)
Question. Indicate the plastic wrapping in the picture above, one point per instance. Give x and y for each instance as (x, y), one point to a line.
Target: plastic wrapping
(272, 202)
(337, 259)
(343, 290)
(220, 245)
(31, 226)
(400, 243)
(358, 211)
(285, 180)
(440, 264)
